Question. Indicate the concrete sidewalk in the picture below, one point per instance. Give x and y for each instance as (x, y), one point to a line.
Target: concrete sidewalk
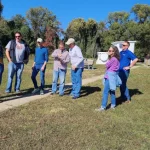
(20, 100)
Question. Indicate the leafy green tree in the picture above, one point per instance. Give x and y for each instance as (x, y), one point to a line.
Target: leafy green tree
(39, 18)
(141, 12)
(1, 9)
(119, 17)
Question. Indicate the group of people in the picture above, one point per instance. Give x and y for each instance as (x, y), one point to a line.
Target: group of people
(17, 53)
(117, 68)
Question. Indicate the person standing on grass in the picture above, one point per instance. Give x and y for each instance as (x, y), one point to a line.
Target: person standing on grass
(40, 61)
(111, 79)
(125, 65)
(1, 63)
(77, 65)
(17, 53)
(61, 58)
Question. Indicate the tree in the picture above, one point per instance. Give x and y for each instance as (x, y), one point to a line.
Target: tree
(1, 9)
(77, 30)
(141, 12)
(119, 17)
(39, 18)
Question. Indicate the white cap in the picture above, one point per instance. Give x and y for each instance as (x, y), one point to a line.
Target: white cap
(39, 40)
(70, 41)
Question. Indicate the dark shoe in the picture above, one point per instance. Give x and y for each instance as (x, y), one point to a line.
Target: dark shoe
(7, 91)
(18, 92)
(35, 91)
(41, 92)
(75, 97)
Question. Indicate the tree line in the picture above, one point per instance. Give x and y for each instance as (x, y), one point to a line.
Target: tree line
(90, 35)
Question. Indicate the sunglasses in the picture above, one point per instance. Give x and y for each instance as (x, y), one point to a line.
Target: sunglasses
(124, 45)
(17, 36)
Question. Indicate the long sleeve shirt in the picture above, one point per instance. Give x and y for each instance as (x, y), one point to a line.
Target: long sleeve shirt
(112, 65)
(60, 62)
(76, 57)
(41, 55)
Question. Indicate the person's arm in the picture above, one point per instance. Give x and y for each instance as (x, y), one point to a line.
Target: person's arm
(131, 65)
(54, 54)
(134, 60)
(79, 58)
(7, 51)
(64, 58)
(8, 55)
(109, 63)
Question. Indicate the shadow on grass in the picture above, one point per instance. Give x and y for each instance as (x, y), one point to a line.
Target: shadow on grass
(87, 90)
(119, 100)
(132, 92)
(24, 93)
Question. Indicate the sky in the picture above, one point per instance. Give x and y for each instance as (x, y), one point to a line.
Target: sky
(67, 10)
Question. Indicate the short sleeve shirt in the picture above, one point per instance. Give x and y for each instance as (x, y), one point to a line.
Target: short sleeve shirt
(19, 51)
(125, 58)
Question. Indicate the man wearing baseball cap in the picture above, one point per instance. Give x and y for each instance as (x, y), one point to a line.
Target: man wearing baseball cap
(40, 61)
(77, 65)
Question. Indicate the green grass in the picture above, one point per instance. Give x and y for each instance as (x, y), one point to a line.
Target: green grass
(59, 123)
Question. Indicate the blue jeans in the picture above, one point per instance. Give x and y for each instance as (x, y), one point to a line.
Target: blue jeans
(107, 91)
(35, 71)
(1, 71)
(61, 74)
(123, 88)
(76, 77)
(14, 68)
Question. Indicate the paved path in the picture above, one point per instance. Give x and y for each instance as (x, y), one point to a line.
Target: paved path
(20, 100)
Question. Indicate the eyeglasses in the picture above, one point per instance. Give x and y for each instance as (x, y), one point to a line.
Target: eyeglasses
(17, 36)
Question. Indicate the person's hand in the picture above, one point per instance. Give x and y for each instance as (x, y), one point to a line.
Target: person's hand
(10, 60)
(59, 55)
(42, 69)
(32, 66)
(127, 68)
(73, 67)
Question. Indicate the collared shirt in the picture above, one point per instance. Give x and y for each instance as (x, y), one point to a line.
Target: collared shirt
(76, 57)
(60, 63)
(125, 58)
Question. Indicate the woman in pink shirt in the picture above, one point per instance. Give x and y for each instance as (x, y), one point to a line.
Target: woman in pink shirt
(111, 79)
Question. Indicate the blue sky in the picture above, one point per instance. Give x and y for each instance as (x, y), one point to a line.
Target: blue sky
(67, 10)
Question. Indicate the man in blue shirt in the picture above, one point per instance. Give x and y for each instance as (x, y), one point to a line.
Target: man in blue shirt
(125, 65)
(40, 61)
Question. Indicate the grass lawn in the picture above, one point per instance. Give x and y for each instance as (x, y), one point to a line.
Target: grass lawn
(56, 123)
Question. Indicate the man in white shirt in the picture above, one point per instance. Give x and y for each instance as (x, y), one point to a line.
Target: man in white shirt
(77, 65)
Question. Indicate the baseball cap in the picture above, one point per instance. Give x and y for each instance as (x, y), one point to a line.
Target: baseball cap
(70, 41)
(39, 40)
